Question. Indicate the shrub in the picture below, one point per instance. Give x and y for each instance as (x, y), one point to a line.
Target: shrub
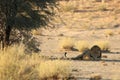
(109, 32)
(25, 37)
(53, 69)
(104, 45)
(102, 7)
(81, 45)
(68, 6)
(36, 32)
(66, 43)
(16, 65)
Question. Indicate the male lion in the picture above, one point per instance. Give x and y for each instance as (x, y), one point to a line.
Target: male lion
(90, 54)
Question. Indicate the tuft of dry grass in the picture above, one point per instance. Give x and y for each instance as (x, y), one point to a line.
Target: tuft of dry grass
(53, 69)
(16, 65)
(36, 32)
(66, 43)
(96, 77)
(68, 6)
(81, 45)
(109, 32)
(104, 45)
(102, 7)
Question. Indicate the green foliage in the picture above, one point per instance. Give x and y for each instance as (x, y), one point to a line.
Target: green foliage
(27, 14)
(23, 15)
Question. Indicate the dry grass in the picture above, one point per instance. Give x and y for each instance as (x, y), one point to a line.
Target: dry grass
(89, 14)
(96, 77)
(104, 45)
(81, 45)
(53, 69)
(109, 32)
(68, 6)
(36, 32)
(102, 7)
(16, 65)
(66, 43)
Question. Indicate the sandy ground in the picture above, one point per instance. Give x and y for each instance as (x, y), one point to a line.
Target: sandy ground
(89, 23)
(108, 68)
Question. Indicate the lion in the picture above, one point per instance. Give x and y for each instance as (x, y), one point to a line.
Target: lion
(84, 56)
(90, 54)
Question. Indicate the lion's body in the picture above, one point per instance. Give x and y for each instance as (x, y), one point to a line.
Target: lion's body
(90, 54)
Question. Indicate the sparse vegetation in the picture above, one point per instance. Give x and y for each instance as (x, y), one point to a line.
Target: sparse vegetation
(102, 7)
(70, 44)
(16, 65)
(54, 69)
(96, 77)
(68, 6)
(104, 45)
(66, 43)
(109, 32)
(77, 26)
(81, 45)
(36, 32)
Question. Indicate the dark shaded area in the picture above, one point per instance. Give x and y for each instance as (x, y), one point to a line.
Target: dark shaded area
(105, 51)
(117, 25)
(77, 11)
(84, 11)
(78, 78)
(73, 49)
(24, 15)
(83, 78)
(111, 60)
(108, 60)
(110, 52)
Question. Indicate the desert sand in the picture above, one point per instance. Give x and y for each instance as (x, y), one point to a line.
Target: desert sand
(90, 25)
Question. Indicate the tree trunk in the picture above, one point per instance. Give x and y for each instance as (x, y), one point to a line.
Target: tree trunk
(6, 36)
